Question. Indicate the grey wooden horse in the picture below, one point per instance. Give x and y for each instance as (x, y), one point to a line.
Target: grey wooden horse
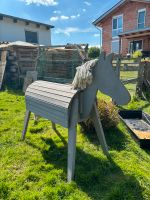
(63, 105)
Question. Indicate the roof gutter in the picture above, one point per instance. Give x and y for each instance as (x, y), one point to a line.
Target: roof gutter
(108, 12)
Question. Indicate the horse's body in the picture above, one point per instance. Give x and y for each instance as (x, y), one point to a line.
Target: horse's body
(63, 105)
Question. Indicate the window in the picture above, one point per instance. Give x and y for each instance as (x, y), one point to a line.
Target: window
(31, 37)
(117, 25)
(115, 46)
(141, 18)
(135, 46)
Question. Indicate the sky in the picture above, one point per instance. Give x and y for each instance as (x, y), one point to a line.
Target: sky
(72, 18)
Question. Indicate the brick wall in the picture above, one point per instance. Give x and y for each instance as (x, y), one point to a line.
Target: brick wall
(130, 13)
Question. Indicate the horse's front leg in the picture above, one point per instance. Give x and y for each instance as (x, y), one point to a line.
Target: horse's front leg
(72, 132)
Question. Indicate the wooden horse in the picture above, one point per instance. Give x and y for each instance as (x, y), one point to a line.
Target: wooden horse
(63, 105)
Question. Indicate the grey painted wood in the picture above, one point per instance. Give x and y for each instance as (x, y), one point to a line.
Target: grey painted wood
(65, 106)
(99, 129)
(47, 100)
(105, 80)
(72, 140)
(26, 121)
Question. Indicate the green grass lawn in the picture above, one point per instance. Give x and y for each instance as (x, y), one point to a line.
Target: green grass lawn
(36, 168)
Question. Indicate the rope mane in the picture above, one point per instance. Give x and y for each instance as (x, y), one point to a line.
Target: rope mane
(83, 76)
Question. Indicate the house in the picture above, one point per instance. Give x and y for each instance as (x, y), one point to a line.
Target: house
(18, 29)
(126, 27)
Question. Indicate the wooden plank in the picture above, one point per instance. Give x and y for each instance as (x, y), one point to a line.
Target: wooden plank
(52, 91)
(49, 116)
(49, 109)
(51, 84)
(56, 86)
(47, 99)
(49, 105)
(49, 95)
(2, 66)
(133, 80)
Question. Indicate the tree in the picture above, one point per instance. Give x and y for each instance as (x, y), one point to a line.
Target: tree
(93, 52)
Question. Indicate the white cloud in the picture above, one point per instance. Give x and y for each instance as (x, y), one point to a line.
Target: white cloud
(41, 2)
(74, 16)
(87, 3)
(63, 17)
(57, 12)
(52, 19)
(84, 10)
(67, 31)
(96, 35)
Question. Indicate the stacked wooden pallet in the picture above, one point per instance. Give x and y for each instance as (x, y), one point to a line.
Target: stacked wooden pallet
(58, 64)
(20, 60)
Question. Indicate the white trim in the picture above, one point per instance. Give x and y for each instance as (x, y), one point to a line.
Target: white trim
(116, 17)
(141, 10)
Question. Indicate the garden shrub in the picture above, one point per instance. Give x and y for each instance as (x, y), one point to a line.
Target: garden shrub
(93, 52)
(137, 54)
(108, 113)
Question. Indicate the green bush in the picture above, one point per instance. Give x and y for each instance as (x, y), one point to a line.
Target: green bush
(93, 52)
(108, 113)
(137, 54)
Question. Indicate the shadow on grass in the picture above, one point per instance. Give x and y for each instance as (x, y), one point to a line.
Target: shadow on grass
(17, 92)
(99, 178)
(115, 138)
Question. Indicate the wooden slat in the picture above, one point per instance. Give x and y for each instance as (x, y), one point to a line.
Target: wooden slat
(52, 91)
(50, 100)
(49, 95)
(49, 105)
(47, 115)
(49, 109)
(56, 86)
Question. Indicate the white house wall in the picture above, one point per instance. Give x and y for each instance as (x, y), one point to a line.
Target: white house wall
(10, 31)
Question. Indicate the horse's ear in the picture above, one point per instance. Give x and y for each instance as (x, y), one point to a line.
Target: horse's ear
(109, 58)
(102, 55)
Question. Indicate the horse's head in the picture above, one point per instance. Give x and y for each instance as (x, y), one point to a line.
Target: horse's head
(108, 82)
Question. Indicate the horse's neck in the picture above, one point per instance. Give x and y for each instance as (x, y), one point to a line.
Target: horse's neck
(87, 99)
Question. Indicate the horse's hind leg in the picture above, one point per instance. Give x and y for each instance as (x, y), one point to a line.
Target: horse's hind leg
(26, 121)
(99, 129)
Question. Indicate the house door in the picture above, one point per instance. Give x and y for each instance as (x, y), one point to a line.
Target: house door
(135, 46)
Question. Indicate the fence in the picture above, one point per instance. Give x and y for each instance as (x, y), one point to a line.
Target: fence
(127, 71)
(135, 75)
